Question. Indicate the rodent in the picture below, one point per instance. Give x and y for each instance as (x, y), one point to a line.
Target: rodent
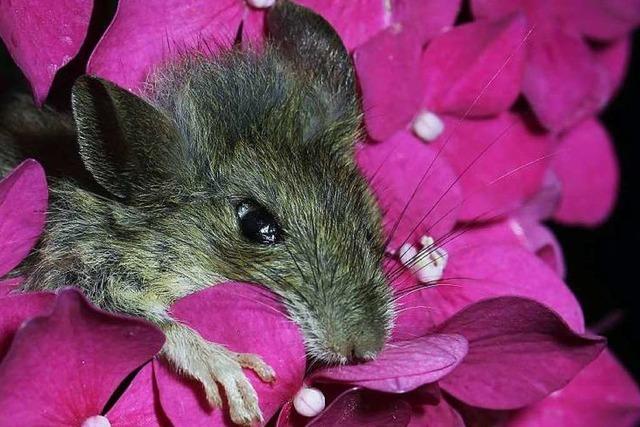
(238, 167)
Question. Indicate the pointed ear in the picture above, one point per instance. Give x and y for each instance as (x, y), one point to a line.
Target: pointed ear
(309, 42)
(123, 139)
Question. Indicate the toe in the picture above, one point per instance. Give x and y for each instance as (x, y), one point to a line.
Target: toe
(256, 364)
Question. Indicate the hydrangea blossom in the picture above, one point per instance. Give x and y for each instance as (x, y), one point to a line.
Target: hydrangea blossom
(486, 328)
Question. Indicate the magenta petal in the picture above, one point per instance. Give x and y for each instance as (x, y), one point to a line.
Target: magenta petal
(603, 20)
(602, 394)
(147, 33)
(182, 399)
(287, 416)
(8, 286)
(404, 365)
(588, 191)
(495, 9)
(481, 269)
(17, 309)
(253, 28)
(139, 405)
(426, 18)
(88, 353)
(440, 414)
(388, 68)
(519, 352)
(23, 203)
(42, 36)
(356, 21)
(414, 314)
(541, 241)
(356, 408)
(415, 187)
(615, 59)
(563, 81)
(501, 163)
(235, 315)
(545, 202)
(475, 69)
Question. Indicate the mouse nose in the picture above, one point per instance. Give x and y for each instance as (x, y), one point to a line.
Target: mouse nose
(359, 348)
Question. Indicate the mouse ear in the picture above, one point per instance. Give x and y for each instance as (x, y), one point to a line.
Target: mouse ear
(123, 139)
(308, 41)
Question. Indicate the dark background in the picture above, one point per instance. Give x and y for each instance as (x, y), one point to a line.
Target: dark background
(603, 264)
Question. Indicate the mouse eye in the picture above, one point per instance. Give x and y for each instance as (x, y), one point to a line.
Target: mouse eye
(258, 224)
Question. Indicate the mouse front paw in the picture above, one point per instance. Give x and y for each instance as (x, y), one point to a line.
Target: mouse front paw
(223, 367)
(215, 366)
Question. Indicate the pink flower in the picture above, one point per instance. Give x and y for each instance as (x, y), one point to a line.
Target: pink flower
(564, 81)
(245, 318)
(602, 394)
(588, 192)
(143, 36)
(495, 333)
(42, 37)
(23, 202)
(471, 70)
(416, 188)
(67, 358)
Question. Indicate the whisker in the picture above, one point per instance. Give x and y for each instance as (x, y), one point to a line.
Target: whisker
(458, 124)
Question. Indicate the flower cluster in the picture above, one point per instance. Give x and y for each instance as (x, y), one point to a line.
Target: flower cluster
(480, 122)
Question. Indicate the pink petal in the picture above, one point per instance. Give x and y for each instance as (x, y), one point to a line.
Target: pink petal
(615, 59)
(357, 407)
(563, 81)
(544, 203)
(541, 241)
(402, 366)
(484, 261)
(496, 9)
(519, 352)
(88, 353)
(603, 20)
(356, 21)
(147, 33)
(388, 68)
(475, 69)
(415, 187)
(288, 417)
(587, 168)
(501, 163)
(43, 36)
(17, 309)
(480, 269)
(602, 394)
(237, 316)
(440, 414)
(426, 18)
(414, 313)
(8, 286)
(23, 203)
(139, 405)
(253, 28)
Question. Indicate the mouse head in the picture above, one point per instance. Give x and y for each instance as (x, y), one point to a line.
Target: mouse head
(249, 158)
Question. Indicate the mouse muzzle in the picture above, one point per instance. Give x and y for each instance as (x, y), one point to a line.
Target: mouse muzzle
(354, 329)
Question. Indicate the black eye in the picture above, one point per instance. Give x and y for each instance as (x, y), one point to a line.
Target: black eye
(258, 224)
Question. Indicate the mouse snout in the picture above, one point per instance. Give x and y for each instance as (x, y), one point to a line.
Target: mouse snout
(362, 345)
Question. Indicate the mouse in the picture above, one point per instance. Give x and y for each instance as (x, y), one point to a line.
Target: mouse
(233, 167)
